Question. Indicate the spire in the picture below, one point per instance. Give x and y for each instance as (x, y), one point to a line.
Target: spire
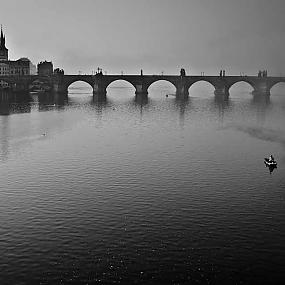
(2, 39)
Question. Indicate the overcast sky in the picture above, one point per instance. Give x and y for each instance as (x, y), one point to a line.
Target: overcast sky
(155, 35)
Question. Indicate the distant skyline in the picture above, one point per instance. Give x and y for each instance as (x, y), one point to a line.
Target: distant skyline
(153, 35)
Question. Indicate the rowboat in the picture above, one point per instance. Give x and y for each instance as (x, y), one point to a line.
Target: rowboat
(270, 163)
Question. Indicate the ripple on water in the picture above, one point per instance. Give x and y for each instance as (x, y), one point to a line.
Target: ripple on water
(123, 192)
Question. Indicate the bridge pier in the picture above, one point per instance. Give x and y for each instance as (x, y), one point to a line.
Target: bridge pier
(182, 95)
(58, 85)
(141, 96)
(99, 90)
(222, 92)
(182, 91)
(100, 95)
(141, 92)
(99, 83)
(261, 89)
(141, 100)
(261, 93)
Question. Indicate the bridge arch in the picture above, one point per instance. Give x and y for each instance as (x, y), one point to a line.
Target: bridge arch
(276, 83)
(67, 84)
(80, 87)
(277, 87)
(120, 79)
(165, 87)
(205, 84)
(242, 81)
(120, 88)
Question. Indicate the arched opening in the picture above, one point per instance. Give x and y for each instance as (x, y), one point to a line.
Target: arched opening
(80, 88)
(278, 89)
(79, 92)
(161, 88)
(277, 92)
(201, 89)
(241, 89)
(120, 90)
(39, 86)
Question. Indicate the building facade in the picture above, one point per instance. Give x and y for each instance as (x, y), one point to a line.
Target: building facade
(45, 68)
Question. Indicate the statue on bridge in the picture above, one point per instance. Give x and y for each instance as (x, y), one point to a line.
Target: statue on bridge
(99, 71)
(58, 71)
(182, 72)
(262, 73)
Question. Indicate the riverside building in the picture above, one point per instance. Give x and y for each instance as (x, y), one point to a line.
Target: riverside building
(20, 67)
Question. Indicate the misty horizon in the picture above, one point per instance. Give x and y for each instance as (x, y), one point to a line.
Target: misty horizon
(156, 36)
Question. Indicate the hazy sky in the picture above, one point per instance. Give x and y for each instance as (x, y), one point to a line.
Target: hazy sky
(155, 35)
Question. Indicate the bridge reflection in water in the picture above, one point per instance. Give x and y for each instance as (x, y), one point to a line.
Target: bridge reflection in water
(23, 102)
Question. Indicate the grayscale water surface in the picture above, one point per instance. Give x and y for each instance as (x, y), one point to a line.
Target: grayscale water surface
(159, 192)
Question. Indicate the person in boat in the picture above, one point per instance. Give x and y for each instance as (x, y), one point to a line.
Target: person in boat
(271, 158)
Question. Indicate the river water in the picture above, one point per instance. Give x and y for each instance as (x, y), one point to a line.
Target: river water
(127, 192)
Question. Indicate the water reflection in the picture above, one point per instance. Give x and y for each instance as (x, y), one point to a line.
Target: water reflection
(183, 106)
(51, 101)
(221, 105)
(100, 101)
(119, 181)
(12, 103)
(99, 105)
(271, 168)
(260, 99)
(4, 137)
(192, 108)
(4, 108)
(260, 105)
(141, 101)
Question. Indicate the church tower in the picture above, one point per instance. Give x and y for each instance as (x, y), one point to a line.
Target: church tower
(3, 49)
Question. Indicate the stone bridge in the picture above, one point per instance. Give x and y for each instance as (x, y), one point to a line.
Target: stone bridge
(59, 83)
(99, 83)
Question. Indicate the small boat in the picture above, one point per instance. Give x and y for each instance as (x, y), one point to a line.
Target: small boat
(270, 163)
